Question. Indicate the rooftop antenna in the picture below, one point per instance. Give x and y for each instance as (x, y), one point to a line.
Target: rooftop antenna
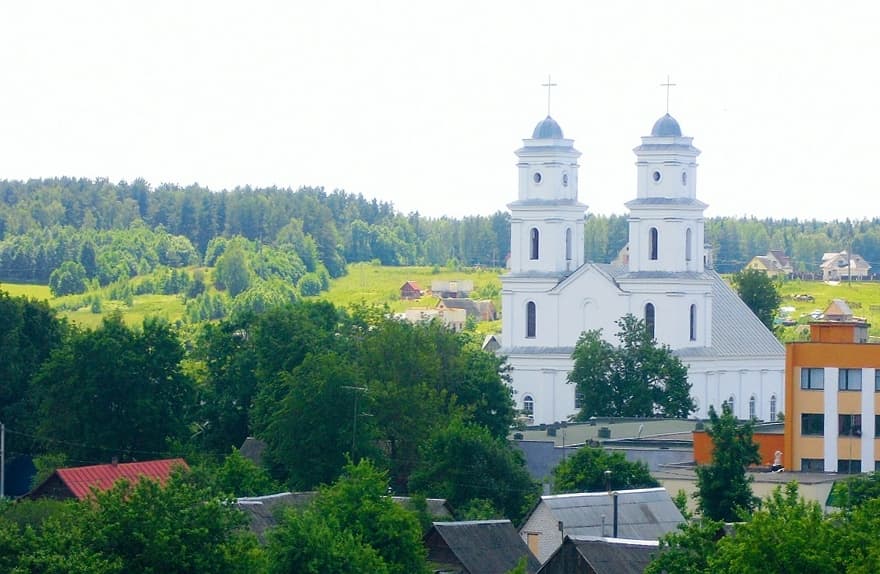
(549, 85)
(667, 85)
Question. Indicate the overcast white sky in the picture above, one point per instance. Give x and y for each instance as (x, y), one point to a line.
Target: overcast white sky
(423, 103)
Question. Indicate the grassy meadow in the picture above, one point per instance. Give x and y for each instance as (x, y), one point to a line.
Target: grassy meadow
(862, 296)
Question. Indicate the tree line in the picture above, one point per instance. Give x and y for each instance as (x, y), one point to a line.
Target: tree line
(347, 227)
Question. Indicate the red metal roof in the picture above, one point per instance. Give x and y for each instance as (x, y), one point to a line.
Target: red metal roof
(80, 480)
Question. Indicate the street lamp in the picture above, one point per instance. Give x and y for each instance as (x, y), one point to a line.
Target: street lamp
(354, 422)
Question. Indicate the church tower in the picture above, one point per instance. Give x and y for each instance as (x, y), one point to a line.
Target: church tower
(666, 269)
(547, 221)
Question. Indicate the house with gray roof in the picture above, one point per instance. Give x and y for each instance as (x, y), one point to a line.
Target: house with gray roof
(477, 547)
(594, 555)
(642, 514)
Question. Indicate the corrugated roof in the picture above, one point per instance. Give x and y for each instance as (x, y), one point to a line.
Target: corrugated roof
(80, 480)
(643, 514)
(485, 546)
(615, 556)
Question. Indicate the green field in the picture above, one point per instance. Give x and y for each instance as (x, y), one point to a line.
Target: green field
(862, 297)
(380, 285)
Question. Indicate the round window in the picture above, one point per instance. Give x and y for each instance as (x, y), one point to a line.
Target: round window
(537, 177)
(656, 176)
(684, 178)
(564, 180)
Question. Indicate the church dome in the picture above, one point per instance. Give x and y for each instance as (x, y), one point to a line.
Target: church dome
(666, 126)
(548, 129)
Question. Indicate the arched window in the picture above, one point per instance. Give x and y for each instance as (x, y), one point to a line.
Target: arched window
(772, 408)
(534, 236)
(752, 407)
(568, 244)
(652, 243)
(529, 406)
(693, 322)
(649, 319)
(531, 319)
(688, 245)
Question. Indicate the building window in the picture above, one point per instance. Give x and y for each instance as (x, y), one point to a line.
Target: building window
(578, 400)
(568, 244)
(812, 424)
(877, 426)
(652, 243)
(812, 379)
(531, 320)
(534, 237)
(877, 379)
(693, 322)
(752, 407)
(731, 404)
(649, 319)
(877, 466)
(772, 408)
(688, 244)
(849, 425)
(845, 466)
(812, 465)
(849, 379)
(528, 406)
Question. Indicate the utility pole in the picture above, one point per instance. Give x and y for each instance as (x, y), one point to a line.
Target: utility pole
(354, 421)
(2, 461)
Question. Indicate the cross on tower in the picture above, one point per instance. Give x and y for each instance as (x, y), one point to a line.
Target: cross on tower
(548, 85)
(667, 85)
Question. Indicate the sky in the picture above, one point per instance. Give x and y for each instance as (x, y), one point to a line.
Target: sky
(422, 104)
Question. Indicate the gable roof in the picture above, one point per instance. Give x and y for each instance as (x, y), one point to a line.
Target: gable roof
(780, 256)
(643, 513)
(412, 285)
(481, 546)
(469, 305)
(80, 480)
(612, 555)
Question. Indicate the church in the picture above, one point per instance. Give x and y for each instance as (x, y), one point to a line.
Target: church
(550, 294)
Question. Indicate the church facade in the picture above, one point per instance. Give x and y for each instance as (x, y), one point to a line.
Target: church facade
(551, 295)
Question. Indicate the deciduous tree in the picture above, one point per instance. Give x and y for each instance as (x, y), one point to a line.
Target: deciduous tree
(638, 378)
(585, 472)
(757, 290)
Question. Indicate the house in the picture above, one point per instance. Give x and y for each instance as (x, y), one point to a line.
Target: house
(642, 514)
(476, 310)
(454, 319)
(551, 294)
(455, 288)
(841, 266)
(831, 400)
(477, 547)
(595, 555)
(410, 290)
(264, 511)
(775, 263)
(78, 482)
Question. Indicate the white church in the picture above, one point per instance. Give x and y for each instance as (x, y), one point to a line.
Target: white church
(550, 295)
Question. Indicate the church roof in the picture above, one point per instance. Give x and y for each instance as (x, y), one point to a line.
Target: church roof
(666, 126)
(736, 331)
(548, 129)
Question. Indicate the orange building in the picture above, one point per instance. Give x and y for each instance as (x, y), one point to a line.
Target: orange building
(832, 400)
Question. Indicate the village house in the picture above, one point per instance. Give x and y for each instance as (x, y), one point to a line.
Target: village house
(775, 263)
(642, 514)
(477, 310)
(840, 267)
(454, 289)
(477, 547)
(594, 555)
(454, 319)
(410, 290)
(78, 482)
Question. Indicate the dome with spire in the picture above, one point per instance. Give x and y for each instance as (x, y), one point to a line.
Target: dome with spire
(666, 126)
(548, 129)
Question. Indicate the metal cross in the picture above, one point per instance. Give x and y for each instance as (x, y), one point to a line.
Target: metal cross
(548, 85)
(667, 85)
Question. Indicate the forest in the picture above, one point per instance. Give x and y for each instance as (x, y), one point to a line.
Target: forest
(119, 230)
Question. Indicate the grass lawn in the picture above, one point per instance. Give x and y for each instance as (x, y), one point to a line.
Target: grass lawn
(863, 298)
(169, 307)
(378, 285)
(28, 290)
